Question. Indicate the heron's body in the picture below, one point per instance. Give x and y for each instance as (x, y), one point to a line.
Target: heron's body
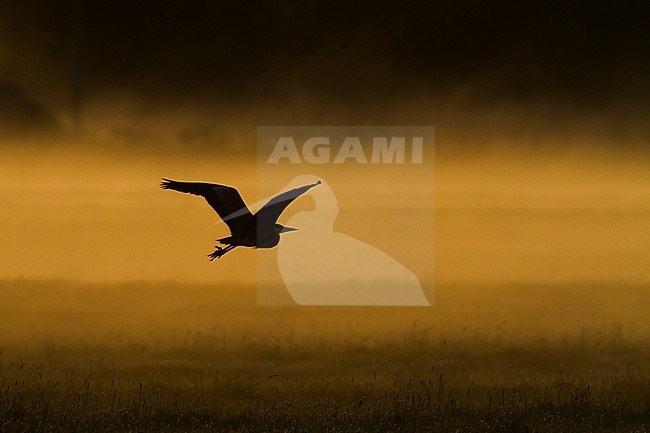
(260, 230)
(249, 238)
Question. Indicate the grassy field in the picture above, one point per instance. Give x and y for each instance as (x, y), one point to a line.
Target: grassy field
(179, 357)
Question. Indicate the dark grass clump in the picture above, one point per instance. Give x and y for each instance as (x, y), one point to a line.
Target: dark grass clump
(418, 384)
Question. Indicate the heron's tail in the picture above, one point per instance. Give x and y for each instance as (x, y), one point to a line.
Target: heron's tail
(226, 241)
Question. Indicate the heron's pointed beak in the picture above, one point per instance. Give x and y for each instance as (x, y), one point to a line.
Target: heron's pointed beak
(288, 229)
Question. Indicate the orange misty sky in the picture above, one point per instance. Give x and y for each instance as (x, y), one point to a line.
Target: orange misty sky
(500, 217)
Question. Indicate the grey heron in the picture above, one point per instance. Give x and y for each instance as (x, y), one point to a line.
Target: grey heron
(260, 230)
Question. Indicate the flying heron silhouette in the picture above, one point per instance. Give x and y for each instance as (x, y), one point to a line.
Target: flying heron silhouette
(246, 230)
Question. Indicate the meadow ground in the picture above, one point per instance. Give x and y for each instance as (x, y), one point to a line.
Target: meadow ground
(170, 357)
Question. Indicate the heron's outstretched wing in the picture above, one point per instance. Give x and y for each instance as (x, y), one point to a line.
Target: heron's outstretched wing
(225, 200)
(270, 212)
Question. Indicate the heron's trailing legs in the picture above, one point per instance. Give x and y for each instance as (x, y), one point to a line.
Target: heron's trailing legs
(220, 251)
